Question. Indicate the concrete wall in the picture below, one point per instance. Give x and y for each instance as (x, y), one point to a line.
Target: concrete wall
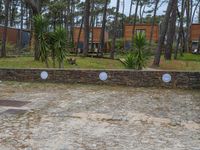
(190, 80)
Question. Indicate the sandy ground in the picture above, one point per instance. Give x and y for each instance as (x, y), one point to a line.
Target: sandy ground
(87, 117)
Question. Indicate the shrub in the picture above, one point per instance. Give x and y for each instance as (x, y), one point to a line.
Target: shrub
(140, 59)
(137, 59)
(40, 28)
(130, 61)
(60, 38)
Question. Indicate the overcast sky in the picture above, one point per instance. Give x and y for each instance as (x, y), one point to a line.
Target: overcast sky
(127, 7)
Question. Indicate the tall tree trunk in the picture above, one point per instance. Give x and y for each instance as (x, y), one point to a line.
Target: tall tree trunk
(21, 24)
(181, 33)
(199, 45)
(131, 6)
(195, 9)
(72, 21)
(13, 12)
(164, 28)
(171, 33)
(92, 25)
(141, 11)
(199, 36)
(4, 37)
(142, 14)
(79, 35)
(154, 20)
(134, 24)
(188, 23)
(102, 35)
(123, 12)
(36, 8)
(115, 25)
(1, 11)
(86, 27)
(199, 14)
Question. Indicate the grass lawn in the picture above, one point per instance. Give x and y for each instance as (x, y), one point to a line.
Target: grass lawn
(189, 62)
(84, 63)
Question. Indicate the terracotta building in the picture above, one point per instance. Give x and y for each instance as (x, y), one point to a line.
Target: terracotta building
(144, 28)
(96, 38)
(13, 36)
(195, 35)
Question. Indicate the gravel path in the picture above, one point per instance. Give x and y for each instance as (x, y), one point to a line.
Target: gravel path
(87, 117)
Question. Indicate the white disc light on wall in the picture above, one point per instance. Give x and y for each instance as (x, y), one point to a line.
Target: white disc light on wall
(103, 76)
(167, 78)
(44, 75)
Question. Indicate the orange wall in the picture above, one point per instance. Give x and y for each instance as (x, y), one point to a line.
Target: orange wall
(96, 34)
(195, 32)
(128, 31)
(12, 35)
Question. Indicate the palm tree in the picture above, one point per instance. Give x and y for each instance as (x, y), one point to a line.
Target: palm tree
(40, 29)
(60, 38)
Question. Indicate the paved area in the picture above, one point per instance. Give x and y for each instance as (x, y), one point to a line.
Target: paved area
(87, 117)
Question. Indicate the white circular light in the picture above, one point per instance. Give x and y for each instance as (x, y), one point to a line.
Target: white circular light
(166, 78)
(103, 76)
(44, 75)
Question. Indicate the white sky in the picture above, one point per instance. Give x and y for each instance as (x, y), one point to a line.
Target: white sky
(127, 7)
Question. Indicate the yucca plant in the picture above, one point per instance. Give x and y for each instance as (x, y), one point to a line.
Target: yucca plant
(60, 37)
(137, 59)
(51, 42)
(130, 61)
(40, 29)
(140, 59)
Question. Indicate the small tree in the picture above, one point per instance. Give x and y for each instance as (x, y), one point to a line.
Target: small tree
(40, 28)
(51, 42)
(60, 38)
(140, 42)
(137, 59)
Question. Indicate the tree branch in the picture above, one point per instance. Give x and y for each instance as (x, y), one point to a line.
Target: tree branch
(33, 5)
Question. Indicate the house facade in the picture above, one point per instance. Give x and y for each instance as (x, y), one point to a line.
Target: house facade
(144, 28)
(13, 36)
(195, 35)
(96, 32)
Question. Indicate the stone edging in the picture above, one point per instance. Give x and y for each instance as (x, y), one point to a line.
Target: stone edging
(180, 79)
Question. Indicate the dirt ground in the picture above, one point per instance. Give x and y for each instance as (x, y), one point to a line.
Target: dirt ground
(88, 117)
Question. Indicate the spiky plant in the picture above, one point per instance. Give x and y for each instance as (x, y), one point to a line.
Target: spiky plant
(140, 59)
(137, 59)
(130, 61)
(40, 29)
(60, 36)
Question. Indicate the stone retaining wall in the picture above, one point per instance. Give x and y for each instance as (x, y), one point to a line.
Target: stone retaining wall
(189, 80)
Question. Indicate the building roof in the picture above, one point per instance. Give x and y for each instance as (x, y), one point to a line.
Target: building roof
(2, 26)
(142, 24)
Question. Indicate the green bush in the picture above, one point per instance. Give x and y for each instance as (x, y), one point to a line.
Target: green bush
(130, 61)
(60, 38)
(40, 29)
(137, 59)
